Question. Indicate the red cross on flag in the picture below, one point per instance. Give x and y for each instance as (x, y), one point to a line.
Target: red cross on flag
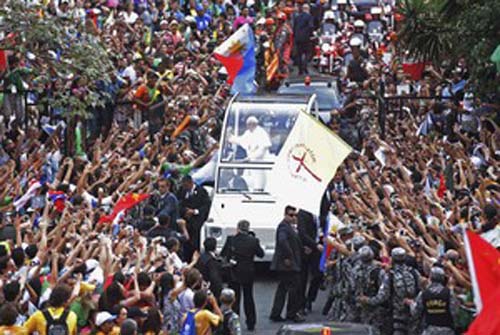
(306, 164)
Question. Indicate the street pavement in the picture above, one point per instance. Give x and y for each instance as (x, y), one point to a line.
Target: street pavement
(264, 289)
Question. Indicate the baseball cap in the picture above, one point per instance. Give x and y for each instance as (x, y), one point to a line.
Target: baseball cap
(103, 317)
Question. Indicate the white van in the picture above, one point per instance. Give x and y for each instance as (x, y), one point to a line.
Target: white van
(254, 131)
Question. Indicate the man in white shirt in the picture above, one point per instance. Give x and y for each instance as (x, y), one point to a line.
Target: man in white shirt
(255, 140)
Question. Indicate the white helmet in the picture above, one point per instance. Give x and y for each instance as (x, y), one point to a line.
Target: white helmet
(355, 42)
(375, 10)
(341, 2)
(328, 15)
(359, 24)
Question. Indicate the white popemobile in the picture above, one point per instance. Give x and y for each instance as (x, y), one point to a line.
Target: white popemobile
(254, 131)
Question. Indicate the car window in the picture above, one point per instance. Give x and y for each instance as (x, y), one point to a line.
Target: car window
(242, 180)
(262, 143)
(327, 97)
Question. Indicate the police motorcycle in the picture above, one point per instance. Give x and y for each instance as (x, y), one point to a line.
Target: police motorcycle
(359, 32)
(375, 28)
(328, 49)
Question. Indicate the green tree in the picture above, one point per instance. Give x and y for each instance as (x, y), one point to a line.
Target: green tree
(58, 49)
(447, 30)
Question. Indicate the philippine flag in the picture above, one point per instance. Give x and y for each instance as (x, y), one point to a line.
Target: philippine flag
(237, 54)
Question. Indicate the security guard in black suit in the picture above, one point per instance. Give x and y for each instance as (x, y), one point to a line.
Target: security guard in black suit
(240, 250)
(308, 231)
(287, 261)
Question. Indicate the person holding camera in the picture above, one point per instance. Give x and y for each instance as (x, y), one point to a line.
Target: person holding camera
(240, 251)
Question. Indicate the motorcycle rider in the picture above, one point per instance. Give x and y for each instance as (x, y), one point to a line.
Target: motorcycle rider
(356, 68)
(359, 32)
(340, 12)
(376, 28)
(329, 26)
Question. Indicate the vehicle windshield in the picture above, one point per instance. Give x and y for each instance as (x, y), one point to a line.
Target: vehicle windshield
(242, 180)
(327, 97)
(364, 2)
(328, 29)
(256, 132)
(375, 27)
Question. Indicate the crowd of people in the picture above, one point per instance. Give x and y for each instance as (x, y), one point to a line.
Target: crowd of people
(397, 207)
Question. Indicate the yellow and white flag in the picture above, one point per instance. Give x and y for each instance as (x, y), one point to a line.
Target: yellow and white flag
(306, 164)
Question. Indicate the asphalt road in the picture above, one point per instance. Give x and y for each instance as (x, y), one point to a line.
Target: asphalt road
(264, 289)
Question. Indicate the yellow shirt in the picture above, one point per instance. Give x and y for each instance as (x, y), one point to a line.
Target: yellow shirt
(114, 331)
(204, 321)
(37, 322)
(12, 330)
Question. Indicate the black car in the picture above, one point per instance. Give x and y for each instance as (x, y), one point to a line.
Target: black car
(325, 88)
(320, 328)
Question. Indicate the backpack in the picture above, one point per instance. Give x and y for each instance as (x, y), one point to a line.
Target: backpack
(189, 325)
(56, 327)
(224, 328)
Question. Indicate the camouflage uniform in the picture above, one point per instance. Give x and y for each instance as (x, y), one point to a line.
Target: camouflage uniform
(337, 287)
(351, 266)
(438, 320)
(399, 284)
(369, 277)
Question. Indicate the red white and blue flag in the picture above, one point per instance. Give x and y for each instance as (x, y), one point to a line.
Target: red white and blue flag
(237, 54)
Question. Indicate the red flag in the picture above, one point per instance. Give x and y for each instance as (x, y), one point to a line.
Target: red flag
(126, 202)
(414, 70)
(488, 321)
(442, 187)
(3, 61)
(484, 267)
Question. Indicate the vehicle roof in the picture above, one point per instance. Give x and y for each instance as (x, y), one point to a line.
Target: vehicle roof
(314, 79)
(275, 98)
(340, 328)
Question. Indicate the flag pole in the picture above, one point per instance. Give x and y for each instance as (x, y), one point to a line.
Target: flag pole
(472, 270)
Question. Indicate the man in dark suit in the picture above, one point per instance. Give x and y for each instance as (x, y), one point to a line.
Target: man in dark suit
(166, 202)
(194, 207)
(303, 27)
(308, 232)
(287, 261)
(210, 266)
(241, 250)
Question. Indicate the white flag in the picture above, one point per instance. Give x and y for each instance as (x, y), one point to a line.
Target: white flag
(306, 164)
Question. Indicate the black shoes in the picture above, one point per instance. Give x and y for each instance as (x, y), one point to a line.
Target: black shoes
(297, 318)
(277, 318)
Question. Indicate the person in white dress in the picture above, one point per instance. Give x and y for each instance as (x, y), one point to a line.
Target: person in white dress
(256, 142)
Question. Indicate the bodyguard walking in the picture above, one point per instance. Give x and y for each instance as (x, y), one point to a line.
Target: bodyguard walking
(287, 262)
(303, 27)
(241, 250)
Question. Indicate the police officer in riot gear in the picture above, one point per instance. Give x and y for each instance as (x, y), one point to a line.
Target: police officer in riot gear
(437, 304)
(369, 277)
(399, 284)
